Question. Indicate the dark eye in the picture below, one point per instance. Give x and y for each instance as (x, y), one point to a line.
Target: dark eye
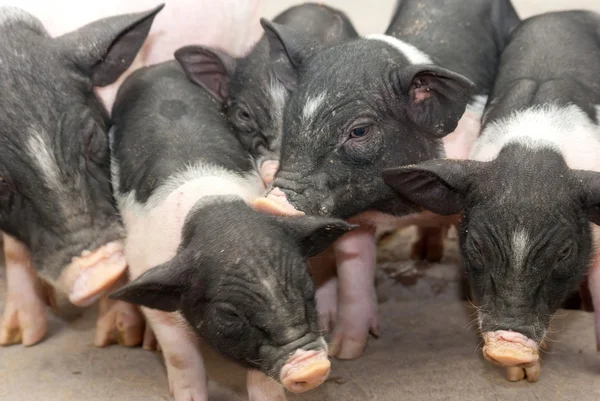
(565, 252)
(360, 132)
(242, 114)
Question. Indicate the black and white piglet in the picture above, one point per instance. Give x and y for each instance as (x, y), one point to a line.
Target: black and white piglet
(253, 97)
(377, 102)
(198, 251)
(56, 207)
(531, 189)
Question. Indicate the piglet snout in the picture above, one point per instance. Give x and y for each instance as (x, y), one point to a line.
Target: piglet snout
(92, 273)
(509, 348)
(267, 171)
(276, 203)
(305, 370)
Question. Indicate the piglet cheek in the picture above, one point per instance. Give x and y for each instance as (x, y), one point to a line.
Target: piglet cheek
(508, 348)
(305, 370)
(91, 274)
(276, 203)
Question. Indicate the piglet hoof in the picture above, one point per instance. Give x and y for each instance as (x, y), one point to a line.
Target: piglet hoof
(119, 322)
(517, 373)
(25, 320)
(355, 321)
(429, 245)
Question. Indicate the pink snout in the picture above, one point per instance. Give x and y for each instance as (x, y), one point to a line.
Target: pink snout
(91, 274)
(305, 370)
(267, 171)
(276, 203)
(509, 348)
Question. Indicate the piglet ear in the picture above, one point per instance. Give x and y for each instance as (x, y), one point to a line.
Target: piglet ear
(315, 234)
(339, 30)
(437, 185)
(106, 48)
(437, 97)
(159, 288)
(209, 68)
(590, 197)
(288, 50)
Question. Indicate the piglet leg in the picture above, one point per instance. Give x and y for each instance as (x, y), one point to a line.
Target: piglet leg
(357, 300)
(594, 283)
(185, 365)
(25, 315)
(429, 245)
(122, 323)
(263, 388)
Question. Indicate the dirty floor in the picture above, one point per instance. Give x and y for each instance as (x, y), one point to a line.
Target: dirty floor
(428, 350)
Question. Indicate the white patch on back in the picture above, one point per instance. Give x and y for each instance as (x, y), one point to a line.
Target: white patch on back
(520, 241)
(312, 105)
(154, 228)
(40, 152)
(597, 114)
(413, 54)
(566, 129)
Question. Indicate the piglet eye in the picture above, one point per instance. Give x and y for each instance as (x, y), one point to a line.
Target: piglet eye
(242, 114)
(565, 252)
(360, 132)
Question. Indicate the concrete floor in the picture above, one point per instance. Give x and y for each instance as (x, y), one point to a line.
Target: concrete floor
(426, 352)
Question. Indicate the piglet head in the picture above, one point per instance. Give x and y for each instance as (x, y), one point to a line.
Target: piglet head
(240, 280)
(55, 190)
(525, 237)
(251, 94)
(356, 108)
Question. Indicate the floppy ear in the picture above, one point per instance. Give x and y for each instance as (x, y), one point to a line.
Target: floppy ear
(105, 49)
(590, 197)
(288, 50)
(315, 234)
(209, 68)
(159, 288)
(437, 97)
(437, 185)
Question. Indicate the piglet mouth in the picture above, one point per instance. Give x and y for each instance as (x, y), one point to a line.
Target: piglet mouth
(509, 348)
(276, 203)
(305, 370)
(89, 276)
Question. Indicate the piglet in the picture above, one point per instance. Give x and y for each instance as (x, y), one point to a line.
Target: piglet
(372, 103)
(531, 189)
(251, 94)
(198, 253)
(56, 207)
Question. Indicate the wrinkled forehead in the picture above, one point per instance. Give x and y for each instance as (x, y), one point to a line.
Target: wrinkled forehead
(356, 65)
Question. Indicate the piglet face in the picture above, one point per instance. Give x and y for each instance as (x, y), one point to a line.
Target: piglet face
(253, 97)
(355, 109)
(55, 192)
(241, 282)
(525, 237)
